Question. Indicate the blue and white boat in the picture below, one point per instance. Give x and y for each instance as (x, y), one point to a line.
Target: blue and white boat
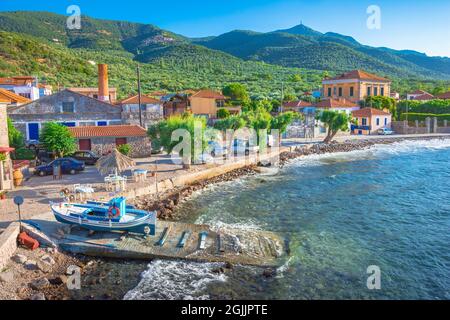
(110, 216)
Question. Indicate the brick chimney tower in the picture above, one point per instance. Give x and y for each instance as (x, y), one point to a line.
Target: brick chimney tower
(103, 88)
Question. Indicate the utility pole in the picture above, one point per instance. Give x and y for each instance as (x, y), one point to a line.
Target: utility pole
(282, 96)
(139, 95)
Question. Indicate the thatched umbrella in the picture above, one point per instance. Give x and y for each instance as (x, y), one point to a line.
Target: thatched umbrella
(114, 162)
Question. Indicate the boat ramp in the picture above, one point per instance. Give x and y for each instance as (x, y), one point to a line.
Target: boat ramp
(172, 240)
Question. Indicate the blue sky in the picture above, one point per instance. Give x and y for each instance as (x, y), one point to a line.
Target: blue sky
(418, 25)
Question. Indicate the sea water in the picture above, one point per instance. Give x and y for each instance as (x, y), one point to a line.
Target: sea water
(387, 206)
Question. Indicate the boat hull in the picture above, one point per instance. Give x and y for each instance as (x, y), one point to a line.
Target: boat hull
(137, 226)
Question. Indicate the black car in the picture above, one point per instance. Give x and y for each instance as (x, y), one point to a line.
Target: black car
(68, 165)
(88, 157)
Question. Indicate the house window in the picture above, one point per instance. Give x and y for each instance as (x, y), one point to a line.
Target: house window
(375, 91)
(382, 91)
(329, 92)
(385, 121)
(351, 91)
(340, 92)
(369, 91)
(334, 91)
(364, 121)
(25, 95)
(219, 103)
(378, 121)
(68, 107)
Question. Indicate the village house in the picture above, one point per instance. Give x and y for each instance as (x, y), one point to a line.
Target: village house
(369, 120)
(66, 107)
(6, 178)
(419, 95)
(340, 104)
(206, 103)
(25, 86)
(296, 106)
(103, 140)
(175, 104)
(151, 110)
(355, 86)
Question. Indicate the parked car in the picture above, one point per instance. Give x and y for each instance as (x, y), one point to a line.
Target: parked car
(204, 158)
(88, 157)
(216, 149)
(33, 144)
(44, 157)
(68, 165)
(157, 148)
(385, 131)
(244, 147)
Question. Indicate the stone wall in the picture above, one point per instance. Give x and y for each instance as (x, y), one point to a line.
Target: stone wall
(8, 243)
(150, 116)
(430, 125)
(49, 108)
(140, 146)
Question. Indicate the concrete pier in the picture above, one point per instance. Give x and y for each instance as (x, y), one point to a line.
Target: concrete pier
(246, 247)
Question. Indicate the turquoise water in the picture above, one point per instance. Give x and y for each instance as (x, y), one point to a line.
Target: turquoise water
(388, 206)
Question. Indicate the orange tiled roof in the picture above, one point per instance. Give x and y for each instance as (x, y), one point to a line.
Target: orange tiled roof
(358, 74)
(108, 131)
(144, 100)
(209, 94)
(444, 96)
(369, 112)
(297, 104)
(18, 81)
(419, 92)
(425, 96)
(336, 103)
(11, 97)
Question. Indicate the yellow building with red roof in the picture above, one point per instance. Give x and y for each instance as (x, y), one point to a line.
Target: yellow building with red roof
(355, 86)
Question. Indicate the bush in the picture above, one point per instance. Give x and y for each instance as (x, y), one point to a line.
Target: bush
(124, 149)
(223, 113)
(23, 154)
(430, 107)
(413, 116)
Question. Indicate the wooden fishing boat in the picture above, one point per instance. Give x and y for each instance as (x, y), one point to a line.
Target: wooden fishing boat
(114, 215)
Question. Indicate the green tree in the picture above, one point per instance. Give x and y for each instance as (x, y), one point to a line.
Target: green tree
(283, 120)
(234, 122)
(163, 130)
(223, 113)
(236, 91)
(15, 137)
(335, 121)
(57, 138)
(381, 102)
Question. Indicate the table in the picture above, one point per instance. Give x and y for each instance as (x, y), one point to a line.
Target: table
(140, 175)
(83, 191)
(118, 182)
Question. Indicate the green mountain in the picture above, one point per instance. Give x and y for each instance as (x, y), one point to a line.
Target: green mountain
(38, 43)
(304, 47)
